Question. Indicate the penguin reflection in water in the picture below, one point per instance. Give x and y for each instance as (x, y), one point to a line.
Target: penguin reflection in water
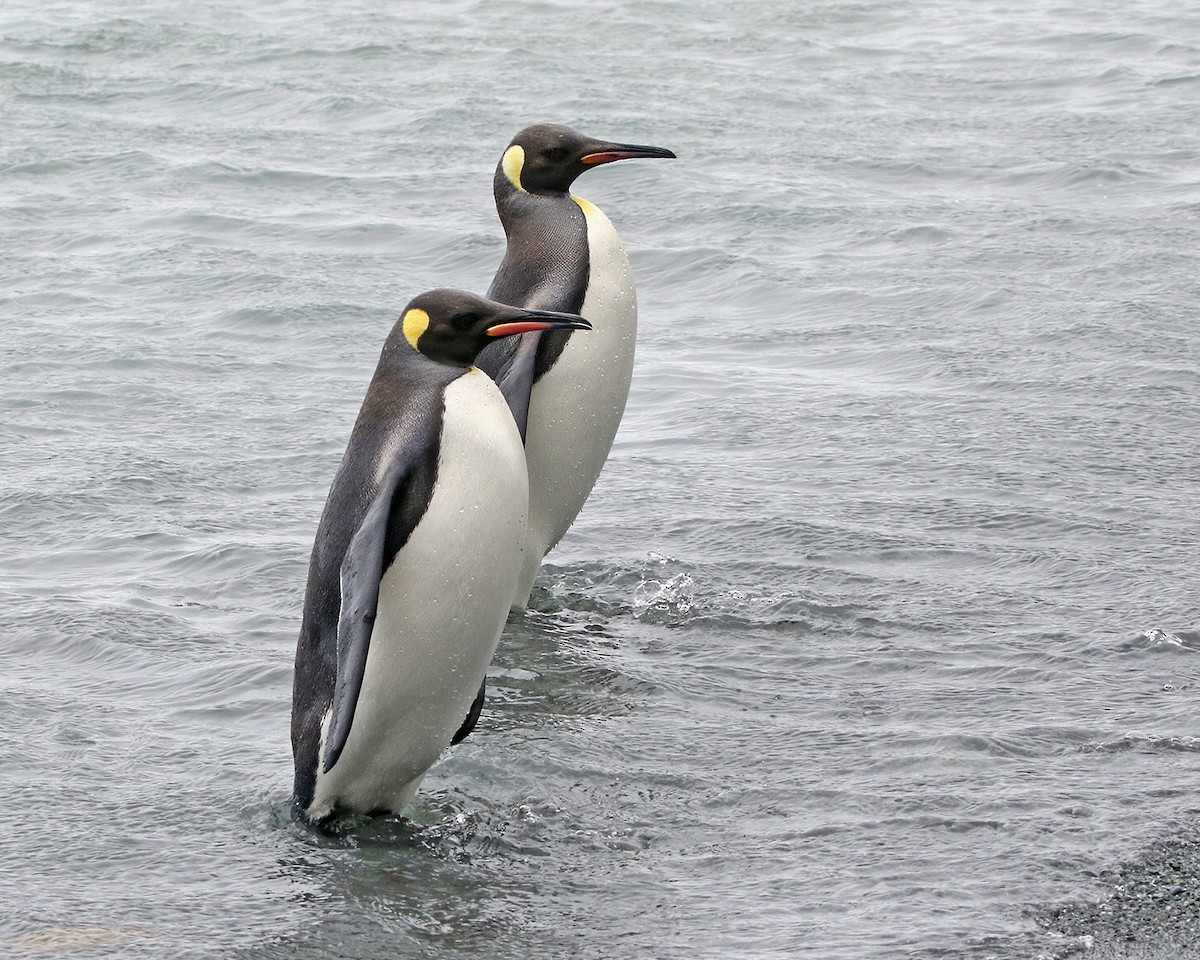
(417, 555)
(567, 393)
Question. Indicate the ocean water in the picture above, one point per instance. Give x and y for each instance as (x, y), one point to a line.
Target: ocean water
(879, 637)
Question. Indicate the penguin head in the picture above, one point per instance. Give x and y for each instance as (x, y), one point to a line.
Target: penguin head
(452, 326)
(547, 157)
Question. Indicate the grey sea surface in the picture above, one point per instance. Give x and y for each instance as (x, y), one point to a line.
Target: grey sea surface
(879, 637)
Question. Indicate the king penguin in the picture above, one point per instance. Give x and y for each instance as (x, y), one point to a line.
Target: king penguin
(416, 559)
(567, 394)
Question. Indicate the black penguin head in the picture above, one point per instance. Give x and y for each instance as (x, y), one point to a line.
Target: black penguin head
(547, 158)
(452, 326)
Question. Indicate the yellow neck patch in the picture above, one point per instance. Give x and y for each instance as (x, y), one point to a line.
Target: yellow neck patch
(415, 324)
(588, 208)
(512, 163)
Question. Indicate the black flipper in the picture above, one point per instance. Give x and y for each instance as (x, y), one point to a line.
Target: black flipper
(545, 267)
(472, 715)
(361, 571)
(516, 378)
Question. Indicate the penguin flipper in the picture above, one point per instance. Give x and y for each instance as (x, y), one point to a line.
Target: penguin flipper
(472, 715)
(514, 372)
(361, 571)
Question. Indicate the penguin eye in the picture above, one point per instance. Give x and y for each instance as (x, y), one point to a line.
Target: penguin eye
(464, 321)
(556, 154)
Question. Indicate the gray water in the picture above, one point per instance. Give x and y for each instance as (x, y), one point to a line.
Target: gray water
(879, 635)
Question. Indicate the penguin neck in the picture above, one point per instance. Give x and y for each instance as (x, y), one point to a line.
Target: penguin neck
(546, 261)
(514, 203)
(400, 358)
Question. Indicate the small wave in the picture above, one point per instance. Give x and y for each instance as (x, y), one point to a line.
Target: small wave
(669, 592)
(126, 164)
(1150, 742)
(217, 172)
(909, 170)
(302, 55)
(1156, 640)
(1073, 175)
(1111, 41)
(928, 233)
(41, 168)
(1186, 80)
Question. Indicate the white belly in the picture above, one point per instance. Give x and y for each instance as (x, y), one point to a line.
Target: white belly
(442, 605)
(575, 409)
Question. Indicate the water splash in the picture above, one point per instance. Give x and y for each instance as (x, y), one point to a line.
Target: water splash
(667, 591)
(1156, 640)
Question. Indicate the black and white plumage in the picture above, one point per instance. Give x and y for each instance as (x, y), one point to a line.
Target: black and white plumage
(567, 394)
(415, 562)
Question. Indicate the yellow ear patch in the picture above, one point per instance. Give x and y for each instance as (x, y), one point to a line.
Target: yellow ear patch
(512, 163)
(415, 324)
